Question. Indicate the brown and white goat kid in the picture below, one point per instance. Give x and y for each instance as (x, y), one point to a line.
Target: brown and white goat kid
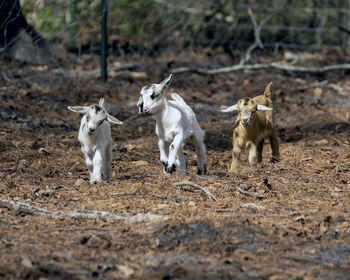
(95, 139)
(253, 123)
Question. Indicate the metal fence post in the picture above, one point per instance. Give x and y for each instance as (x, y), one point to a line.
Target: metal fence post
(103, 40)
(73, 6)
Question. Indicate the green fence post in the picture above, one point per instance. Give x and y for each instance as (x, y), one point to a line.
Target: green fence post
(103, 40)
(73, 6)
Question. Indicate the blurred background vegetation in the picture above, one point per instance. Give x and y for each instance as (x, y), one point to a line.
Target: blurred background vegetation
(147, 26)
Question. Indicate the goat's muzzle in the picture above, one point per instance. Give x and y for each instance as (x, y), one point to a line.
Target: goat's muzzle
(245, 121)
(91, 131)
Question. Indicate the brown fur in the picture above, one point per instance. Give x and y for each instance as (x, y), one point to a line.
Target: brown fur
(252, 135)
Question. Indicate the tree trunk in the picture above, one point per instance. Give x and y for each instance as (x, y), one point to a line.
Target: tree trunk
(18, 39)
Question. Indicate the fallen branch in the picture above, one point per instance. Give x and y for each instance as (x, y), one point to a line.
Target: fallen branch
(79, 214)
(187, 183)
(253, 194)
(275, 65)
(114, 71)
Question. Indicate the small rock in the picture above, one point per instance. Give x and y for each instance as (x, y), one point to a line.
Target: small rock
(79, 182)
(191, 204)
(34, 145)
(120, 148)
(139, 162)
(321, 142)
(44, 151)
(318, 91)
(53, 187)
(27, 263)
(127, 271)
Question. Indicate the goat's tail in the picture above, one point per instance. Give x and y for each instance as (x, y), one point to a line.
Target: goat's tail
(268, 90)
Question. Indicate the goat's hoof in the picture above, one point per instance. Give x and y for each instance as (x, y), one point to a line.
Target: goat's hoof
(96, 181)
(170, 169)
(232, 170)
(275, 159)
(202, 171)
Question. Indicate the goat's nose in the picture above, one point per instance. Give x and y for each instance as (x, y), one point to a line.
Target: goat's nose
(245, 120)
(146, 109)
(91, 131)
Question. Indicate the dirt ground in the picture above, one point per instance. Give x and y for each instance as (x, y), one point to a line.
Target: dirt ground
(292, 222)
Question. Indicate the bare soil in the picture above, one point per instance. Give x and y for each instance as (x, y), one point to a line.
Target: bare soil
(293, 222)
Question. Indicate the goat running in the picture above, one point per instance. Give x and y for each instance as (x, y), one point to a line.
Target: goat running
(253, 123)
(95, 139)
(175, 123)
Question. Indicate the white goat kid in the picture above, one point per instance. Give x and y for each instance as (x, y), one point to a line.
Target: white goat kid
(95, 139)
(175, 123)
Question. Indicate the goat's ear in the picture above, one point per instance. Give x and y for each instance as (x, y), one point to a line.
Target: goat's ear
(230, 109)
(112, 119)
(166, 82)
(78, 109)
(268, 90)
(101, 103)
(263, 108)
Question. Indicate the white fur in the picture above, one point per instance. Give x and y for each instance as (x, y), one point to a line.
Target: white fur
(175, 123)
(95, 139)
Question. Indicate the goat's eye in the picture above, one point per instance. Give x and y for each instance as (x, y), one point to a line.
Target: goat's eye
(154, 95)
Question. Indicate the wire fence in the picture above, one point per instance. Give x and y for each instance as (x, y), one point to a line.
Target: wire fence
(147, 27)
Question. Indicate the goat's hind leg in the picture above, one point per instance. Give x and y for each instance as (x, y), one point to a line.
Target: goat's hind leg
(164, 153)
(260, 150)
(274, 146)
(181, 161)
(201, 155)
(106, 170)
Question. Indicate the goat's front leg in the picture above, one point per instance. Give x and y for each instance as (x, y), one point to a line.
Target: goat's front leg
(89, 164)
(175, 146)
(107, 164)
(253, 151)
(96, 176)
(164, 150)
(88, 158)
(236, 151)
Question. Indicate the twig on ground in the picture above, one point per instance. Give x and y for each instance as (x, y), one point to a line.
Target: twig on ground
(78, 214)
(16, 166)
(276, 65)
(320, 84)
(253, 206)
(187, 183)
(253, 194)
